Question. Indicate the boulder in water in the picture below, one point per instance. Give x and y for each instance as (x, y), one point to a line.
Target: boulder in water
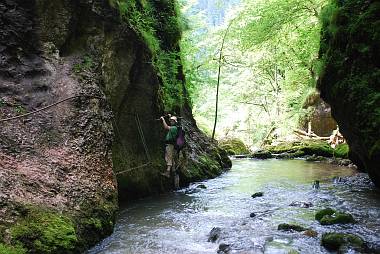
(262, 155)
(329, 216)
(291, 227)
(224, 248)
(310, 233)
(252, 215)
(338, 241)
(328, 211)
(257, 194)
(214, 234)
(301, 204)
(337, 218)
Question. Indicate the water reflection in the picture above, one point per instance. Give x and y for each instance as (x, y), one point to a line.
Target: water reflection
(180, 222)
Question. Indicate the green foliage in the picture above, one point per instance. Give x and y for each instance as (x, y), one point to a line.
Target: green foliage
(86, 64)
(269, 67)
(159, 26)
(6, 249)
(20, 109)
(45, 232)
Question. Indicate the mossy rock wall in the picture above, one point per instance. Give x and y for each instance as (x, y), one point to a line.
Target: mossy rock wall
(59, 167)
(350, 79)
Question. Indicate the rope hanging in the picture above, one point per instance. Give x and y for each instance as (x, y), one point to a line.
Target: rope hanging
(137, 119)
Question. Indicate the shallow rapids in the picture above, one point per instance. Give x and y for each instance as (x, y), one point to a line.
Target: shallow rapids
(180, 222)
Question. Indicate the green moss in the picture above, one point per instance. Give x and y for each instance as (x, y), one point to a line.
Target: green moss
(262, 155)
(329, 216)
(234, 146)
(328, 211)
(159, 25)
(319, 148)
(45, 232)
(334, 241)
(7, 249)
(291, 227)
(349, 79)
(342, 151)
(337, 218)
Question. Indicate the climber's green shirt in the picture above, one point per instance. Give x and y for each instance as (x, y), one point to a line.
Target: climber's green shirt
(172, 134)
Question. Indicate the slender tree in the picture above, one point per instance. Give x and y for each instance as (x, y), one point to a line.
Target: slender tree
(219, 73)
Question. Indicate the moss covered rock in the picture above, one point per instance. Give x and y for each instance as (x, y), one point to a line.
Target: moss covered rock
(335, 241)
(342, 151)
(320, 214)
(8, 249)
(234, 146)
(300, 148)
(350, 77)
(262, 155)
(337, 218)
(46, 232)
(329, 216)
(291, 227)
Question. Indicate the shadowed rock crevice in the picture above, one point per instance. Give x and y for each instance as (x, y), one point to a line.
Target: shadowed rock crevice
(350, 79)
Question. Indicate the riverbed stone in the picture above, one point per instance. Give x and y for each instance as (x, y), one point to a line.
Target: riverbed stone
(327, 211)
(337, 218)
(301, 204)
(329, 216)
(291, 227)
(311, 233)
(214, 234)
(336, 241)
(252, 215)
(224, 248)
(262, 155)
(201, 186)
(257, 194)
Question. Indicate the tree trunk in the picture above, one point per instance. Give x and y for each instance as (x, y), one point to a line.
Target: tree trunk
(218, 82)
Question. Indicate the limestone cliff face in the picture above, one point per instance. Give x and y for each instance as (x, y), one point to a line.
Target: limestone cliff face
(350, 81)
(58, 167)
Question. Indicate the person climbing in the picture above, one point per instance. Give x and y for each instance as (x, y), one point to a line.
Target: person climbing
(170, 139)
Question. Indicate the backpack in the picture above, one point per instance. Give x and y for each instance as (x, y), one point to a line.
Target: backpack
(180, 139)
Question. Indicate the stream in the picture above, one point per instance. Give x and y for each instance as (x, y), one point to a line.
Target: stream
(180, 222)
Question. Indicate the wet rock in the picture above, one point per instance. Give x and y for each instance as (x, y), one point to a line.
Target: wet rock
(328, 211)
(262, 155)
(201, 186)
(301, 204)
(310, 233)
(214, 234)
(289, 155)
(234, 146)
(252, 215)
(329, 216)
(291, 227)
(340, 241)
(337, 218)
(315, 158)
(257, 194)
(224, 248)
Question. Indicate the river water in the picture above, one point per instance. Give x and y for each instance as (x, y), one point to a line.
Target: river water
(180, 222)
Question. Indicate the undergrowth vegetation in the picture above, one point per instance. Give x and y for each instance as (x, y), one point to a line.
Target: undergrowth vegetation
(159, 25)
